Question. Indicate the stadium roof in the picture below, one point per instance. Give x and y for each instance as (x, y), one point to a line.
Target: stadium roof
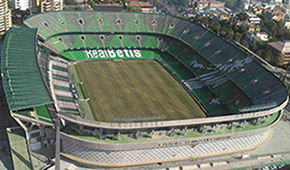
(22, 81)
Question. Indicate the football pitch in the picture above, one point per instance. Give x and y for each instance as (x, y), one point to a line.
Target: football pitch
(134, 91)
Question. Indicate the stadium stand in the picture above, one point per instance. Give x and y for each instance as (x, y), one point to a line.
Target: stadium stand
(43, 60)
(62, 88)
(237, 100)
(208, 65)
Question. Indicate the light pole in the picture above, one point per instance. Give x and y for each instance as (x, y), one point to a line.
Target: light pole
(57, 145)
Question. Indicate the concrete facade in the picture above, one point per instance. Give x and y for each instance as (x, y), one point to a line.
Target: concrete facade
(21, 4)
(90, 156)
(5, 17)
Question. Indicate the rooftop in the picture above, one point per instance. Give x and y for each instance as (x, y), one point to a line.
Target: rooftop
(281, 45)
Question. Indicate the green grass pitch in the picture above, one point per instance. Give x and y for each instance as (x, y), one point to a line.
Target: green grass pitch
(134, 91)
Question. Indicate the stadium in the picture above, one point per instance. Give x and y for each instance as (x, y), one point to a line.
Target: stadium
(132, 89)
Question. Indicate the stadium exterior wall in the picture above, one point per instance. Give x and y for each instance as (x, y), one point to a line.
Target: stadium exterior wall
(88, 154)
(173, 142)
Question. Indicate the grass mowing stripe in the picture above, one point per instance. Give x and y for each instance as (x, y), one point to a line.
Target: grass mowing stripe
(84, 105)
(117, 103)
(159, 89)
(156, 75)
(184, 101)
(112, 91)
(129, 101)
(101, 95)
(146, 101)
(130, 89)
(81, 69)
(158, 106)
(174, 109)
(176, 93)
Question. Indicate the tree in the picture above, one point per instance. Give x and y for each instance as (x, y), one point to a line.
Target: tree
(216, 26)
(253, 47)
(10, 4)
(238, 36)
(261, 44)
(243, 29)
(223, 33)
(267, 55)
(230, 3)
(243, 16)
(205, 21)
(278, 59)
(132, 9)
(244, 42)
(236, 28)
(260, 52)
(270, 24)
(198, 18)
(180, 2)
(229, 37)
(270, 27)
(69, 2)
(231, 31)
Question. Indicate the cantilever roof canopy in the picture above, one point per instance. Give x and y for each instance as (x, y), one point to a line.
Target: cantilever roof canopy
(22, 82)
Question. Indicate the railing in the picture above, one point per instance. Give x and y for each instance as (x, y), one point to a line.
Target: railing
(159, 143)
(159, 124)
